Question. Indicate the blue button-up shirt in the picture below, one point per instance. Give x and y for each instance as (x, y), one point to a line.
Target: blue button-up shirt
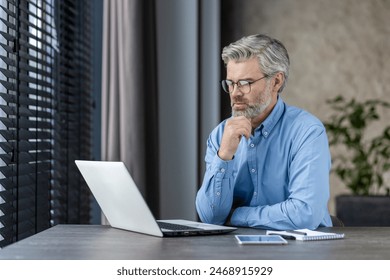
(278, 178)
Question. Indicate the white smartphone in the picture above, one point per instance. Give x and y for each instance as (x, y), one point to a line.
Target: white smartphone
(261, 239)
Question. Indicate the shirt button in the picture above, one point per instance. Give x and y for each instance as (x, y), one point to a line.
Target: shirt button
(265, 133)
(223, 170)
(252, 145)
(218, 193)
(253, 170)
(255, 193)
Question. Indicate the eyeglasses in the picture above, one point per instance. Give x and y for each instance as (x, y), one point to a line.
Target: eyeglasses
(243, 85)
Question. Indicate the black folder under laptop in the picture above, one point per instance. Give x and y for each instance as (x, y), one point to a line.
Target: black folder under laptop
(125, 208)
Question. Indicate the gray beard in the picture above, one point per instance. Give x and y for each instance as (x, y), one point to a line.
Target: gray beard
(252, 110)
(255, 109)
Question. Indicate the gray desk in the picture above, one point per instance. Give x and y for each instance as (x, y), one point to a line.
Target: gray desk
(92, 242)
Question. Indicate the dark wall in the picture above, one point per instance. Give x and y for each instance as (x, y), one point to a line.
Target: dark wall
(231, 30)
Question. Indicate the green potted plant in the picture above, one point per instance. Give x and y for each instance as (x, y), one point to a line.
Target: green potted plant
(360, 160)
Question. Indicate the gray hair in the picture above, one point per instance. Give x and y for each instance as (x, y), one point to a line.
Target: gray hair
(271, 53)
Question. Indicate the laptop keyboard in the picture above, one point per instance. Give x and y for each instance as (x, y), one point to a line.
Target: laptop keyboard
(170, 226)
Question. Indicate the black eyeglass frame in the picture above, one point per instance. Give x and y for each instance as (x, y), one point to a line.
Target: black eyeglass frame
(225, 85)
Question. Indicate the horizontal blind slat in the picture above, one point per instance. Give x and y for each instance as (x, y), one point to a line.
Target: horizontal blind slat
(40, 111)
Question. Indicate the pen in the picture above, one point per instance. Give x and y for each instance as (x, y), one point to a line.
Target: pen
(296, 232)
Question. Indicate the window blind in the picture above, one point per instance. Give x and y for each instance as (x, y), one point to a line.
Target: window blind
(45, 114)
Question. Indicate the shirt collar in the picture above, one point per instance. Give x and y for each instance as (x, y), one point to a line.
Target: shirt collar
(270, 122)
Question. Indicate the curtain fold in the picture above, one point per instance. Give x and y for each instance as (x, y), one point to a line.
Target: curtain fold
(126, 94)
(153, 122)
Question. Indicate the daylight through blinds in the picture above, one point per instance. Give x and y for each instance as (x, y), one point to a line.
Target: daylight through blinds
(45, 114)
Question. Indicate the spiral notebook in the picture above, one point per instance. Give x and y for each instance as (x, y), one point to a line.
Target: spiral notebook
(306, 234)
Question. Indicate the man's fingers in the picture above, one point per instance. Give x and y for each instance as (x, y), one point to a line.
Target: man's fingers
(241, 125)
(235, 128)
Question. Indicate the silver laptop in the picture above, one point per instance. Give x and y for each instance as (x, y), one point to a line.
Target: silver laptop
(121, 202)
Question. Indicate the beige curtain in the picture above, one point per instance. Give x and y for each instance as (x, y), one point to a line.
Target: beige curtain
(123, 131)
